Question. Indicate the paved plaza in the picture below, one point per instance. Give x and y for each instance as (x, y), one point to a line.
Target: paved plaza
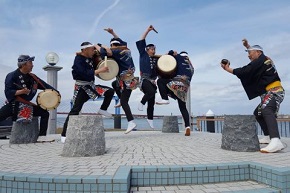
(139, 148)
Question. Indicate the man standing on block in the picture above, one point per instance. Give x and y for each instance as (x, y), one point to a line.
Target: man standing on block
(83, 72)
(260, 78)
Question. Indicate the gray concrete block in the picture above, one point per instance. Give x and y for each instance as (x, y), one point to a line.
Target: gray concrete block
(85, 136)
(23, 133)
(239, 133)
(170, 124)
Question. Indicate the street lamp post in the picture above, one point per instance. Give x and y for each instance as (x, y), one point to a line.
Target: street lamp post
(52, 59)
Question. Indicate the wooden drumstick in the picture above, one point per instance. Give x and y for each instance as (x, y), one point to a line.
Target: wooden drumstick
(19, 86)
(106, 58)
(106, 61)
(151, 26)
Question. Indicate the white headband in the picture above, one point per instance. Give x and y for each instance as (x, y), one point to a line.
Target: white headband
(184, 54)
(87, 46)
(115, 42)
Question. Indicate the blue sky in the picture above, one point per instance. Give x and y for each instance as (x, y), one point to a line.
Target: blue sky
(209, 30)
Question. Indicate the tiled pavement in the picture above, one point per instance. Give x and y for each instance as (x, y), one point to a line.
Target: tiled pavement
(139, 148)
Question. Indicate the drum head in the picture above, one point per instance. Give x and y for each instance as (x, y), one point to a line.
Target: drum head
(166, 63)
(113, 70)
(48, 99)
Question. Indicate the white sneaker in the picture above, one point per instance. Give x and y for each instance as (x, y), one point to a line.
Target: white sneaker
(140, 107)
(131, 126)
(265, 140)
(62, 139)
(274, 146)
(45, 139)
(163, 102)
(41, 139)
(118, 105)
(105, 113)
(150, 123)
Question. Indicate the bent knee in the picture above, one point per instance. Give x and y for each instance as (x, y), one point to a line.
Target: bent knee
(110, 92)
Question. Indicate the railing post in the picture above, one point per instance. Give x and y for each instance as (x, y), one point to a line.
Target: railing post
(198, 125)
(117, 117)
(210, 122)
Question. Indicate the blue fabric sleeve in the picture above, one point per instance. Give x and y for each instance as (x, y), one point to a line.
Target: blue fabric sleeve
(82, 70)
(10, 88)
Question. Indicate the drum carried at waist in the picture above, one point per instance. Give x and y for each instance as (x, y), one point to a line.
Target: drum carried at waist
(48, 99)
(166, 66)
(113, 69)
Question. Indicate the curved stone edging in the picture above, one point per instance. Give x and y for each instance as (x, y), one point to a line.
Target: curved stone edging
(127, 176)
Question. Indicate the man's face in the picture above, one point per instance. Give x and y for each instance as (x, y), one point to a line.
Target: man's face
(90, 51)
(27, 67)
(151, 51)
(254, 54)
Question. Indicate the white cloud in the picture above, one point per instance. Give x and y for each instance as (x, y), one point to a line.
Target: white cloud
(208, 30)
(100, 16)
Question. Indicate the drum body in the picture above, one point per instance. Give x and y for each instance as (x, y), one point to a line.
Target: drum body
(166, 66)
(113, 69)
(48, 99)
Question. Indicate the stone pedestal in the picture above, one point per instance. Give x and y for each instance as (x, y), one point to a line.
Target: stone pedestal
(52, 80)
(239, 133)
(22, 133)
(117, 121)
(85, 136)
(170, 124)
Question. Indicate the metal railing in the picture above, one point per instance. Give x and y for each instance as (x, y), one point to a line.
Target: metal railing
(201, 125)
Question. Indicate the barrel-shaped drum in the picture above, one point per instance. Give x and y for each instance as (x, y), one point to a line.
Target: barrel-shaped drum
(113, 69)
(48, 99)
(166, 66)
